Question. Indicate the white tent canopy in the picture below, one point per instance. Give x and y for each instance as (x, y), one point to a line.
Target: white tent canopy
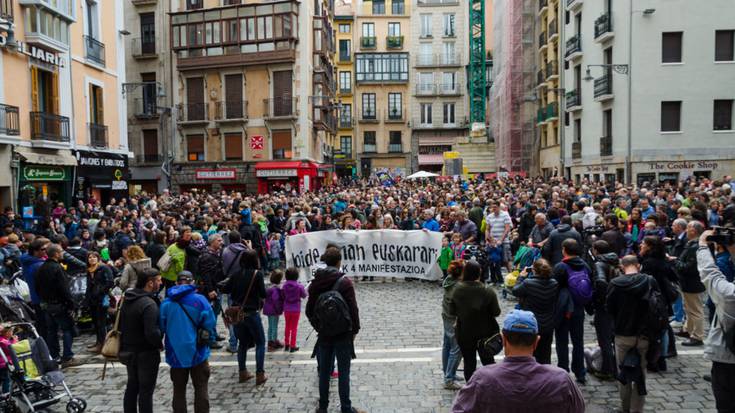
(422, 174)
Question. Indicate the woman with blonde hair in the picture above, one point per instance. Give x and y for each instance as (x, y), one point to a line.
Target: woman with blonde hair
(136, 262)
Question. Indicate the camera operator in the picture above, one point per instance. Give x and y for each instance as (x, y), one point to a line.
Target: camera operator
(612, 235)
(722, 293)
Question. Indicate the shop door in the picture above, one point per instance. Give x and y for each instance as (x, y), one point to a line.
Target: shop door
(195, 98)
(282, 93)
(233, 97)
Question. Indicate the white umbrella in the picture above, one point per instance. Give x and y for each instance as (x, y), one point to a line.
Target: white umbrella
(422, 174)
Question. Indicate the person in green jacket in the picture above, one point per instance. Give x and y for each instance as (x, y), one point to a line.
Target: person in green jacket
(177, 252)
(446, 256)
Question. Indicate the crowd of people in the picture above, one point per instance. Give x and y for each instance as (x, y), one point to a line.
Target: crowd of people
(632, 257)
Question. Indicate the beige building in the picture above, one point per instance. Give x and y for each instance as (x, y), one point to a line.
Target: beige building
(550, 93)
(63, 132)
(344, 148)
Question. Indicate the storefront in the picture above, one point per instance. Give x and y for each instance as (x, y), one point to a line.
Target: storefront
(607, 173)
(45, 178)
(101, 176)
(289, 175)
(674, 171)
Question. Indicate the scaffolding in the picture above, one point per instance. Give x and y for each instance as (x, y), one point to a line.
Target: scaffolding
(512, 93)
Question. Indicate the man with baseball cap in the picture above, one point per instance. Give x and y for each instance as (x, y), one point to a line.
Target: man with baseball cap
(519, 383)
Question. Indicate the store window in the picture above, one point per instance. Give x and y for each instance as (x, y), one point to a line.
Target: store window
(233, 147)
(643, 178)
(195, 148)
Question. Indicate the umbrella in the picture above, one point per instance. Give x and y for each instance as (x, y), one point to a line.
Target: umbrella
(422, 174)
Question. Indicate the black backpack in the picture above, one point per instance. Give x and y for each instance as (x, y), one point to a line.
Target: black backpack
(331, 313)
(656, 319)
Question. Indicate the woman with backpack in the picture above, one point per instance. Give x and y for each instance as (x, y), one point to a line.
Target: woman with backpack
(247, 291)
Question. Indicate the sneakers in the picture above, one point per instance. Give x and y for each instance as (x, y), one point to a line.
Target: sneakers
(676, 324)
(692, 342)
(452, 385)
(72, 362)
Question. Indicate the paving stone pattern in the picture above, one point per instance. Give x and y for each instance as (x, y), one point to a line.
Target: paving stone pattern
(397, 369)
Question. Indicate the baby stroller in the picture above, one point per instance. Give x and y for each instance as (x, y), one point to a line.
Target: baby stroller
(525, 257)
(476, 253)
(78, 290)
(36, 380)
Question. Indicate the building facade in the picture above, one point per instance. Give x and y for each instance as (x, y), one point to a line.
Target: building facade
(381, 85)
(344, 149)
(254, 95)
(439, 110)
(678, 120)
(63, 133)
(549, 92)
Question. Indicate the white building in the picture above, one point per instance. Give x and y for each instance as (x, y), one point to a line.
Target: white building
(678, 120)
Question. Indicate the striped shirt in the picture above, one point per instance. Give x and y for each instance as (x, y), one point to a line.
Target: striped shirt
(496, 225)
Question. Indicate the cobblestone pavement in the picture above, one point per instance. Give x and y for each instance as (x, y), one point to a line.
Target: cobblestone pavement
(397, 369)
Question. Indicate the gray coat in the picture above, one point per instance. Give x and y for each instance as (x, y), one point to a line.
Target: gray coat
(722, 293)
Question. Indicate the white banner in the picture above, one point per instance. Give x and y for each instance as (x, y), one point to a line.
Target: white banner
(378, 253)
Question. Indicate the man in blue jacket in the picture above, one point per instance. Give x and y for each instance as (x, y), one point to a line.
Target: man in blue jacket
(183, 313)
(31, 262)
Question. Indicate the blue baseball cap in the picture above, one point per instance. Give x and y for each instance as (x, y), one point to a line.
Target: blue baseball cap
(519, 321)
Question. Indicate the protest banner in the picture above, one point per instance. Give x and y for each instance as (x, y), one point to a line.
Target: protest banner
(374, 253)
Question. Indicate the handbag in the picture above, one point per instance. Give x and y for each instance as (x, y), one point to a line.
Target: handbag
(491, 346)
(235, 314)
(111, 347)
(203, 335)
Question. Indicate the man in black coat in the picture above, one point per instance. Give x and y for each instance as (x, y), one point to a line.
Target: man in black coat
(691, 287)
(56, 300)
(552, 248)
(606, 264)
(612, 235)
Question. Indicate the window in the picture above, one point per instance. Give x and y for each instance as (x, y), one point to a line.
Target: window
(368, 29)
(194, 4)
(671, 116)
(96, 105)
(378, 6)
(344, 28)
(724, 45)
(577, 130)
(449, 114)
(345, 115)
(426, 54)
(671, 47)
(426, 114)
(394, 29)
(368, 106)
(398, 7)
(233, 147)
(147, 34)
(345, 50)
(723, 114)
(394, 141)
(345, 145)
(449, 82)
(395, 108)
(381, 67)
(449, 25)
(150, 145)
(449, 57)
(607, 123)
(426, 82)
(44, 22)
(93, 23)
(426, 25)
(368, 142)
(195, 147)
(345, 82)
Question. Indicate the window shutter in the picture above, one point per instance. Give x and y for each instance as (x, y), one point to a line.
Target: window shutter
(55, 92)
(100, 105)
(150, 142)
(233, 146)
(34, 89)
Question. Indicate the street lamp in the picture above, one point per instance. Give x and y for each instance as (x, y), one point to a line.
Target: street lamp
(622, 69)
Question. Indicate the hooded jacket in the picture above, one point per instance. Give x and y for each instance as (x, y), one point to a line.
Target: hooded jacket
(178, 259)
(476, 307)
(605, 271)
(625, 303)
(130, 272)
(722, 293)
(180, 331)
(552, 247)
(139, 322)
(209, 271)
(561, 276)
(448, 286)
(52, 284)
(231, 259)
(30, 265)
(293, 292)
(324, 280)
(539, 296)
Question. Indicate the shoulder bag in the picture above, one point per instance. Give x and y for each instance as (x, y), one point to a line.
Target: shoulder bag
(235, 314)
(203, 335)
(111, 347)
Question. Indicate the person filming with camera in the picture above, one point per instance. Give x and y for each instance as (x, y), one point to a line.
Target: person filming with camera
(720, 343)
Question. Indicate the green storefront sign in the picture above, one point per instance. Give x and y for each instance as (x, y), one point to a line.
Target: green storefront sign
(44, 173)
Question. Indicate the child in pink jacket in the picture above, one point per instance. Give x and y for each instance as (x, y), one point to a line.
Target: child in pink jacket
(293, 293)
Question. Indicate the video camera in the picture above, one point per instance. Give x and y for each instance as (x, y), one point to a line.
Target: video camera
(723, 236)
(597, 231)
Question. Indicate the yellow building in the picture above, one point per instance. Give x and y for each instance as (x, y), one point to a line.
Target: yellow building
(63, 134)
(344, 152)
(383, 135)
(549, 90)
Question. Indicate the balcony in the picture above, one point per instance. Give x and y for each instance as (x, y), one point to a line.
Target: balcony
(49, 130)
(9, 120)
(540, 78)
(325, 120)
(603, 28)
(426, 3)
(280, 108)
(192, 113)
(143, 2)
(425, 89)
(346, 122)
(541, 116)
(369, 116)
(95, 50)
(543, 5)
(142, 50)
(439, 60)
(573, 101)
(97, 135)
(395, 115)
(542, 41)
(368, 42)
(449, 89)
(574, 4)
(574, 48)
(231, 111)
(576, 150)
(369, 148)
(145, 108)
(552, 70)
(395, 148)
(606, 146)
(394, 42)
(6, 10)
(149, 158)
(603, 88)
(553, 29)
(552, 111)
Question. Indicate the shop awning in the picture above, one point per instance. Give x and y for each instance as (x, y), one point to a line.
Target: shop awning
(61, 157)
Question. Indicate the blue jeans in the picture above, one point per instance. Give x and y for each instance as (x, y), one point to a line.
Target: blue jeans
(273, 327)
(574, 328)
(231, 329)
(451, 355)
(66, 324)
(679, 309)
(343, 350)
(250, 332)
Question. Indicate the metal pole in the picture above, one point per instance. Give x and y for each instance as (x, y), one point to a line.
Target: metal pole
(629, 153)
(561, 94)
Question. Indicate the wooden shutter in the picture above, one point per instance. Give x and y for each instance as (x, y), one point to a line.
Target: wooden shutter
(34, 89)
(233, 146)
(195, 146)
(282, 142)
(282, 93)
(55, 93)
(233, 96)
(150, 144)
(195, 98)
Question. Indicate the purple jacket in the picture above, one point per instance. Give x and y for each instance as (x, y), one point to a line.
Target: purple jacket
(273, 304)
(519, 384)
(293, 292)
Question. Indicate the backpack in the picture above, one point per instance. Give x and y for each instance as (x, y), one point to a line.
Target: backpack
(580, 286)
(331, 313)
(657, 313)
(164, 263)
